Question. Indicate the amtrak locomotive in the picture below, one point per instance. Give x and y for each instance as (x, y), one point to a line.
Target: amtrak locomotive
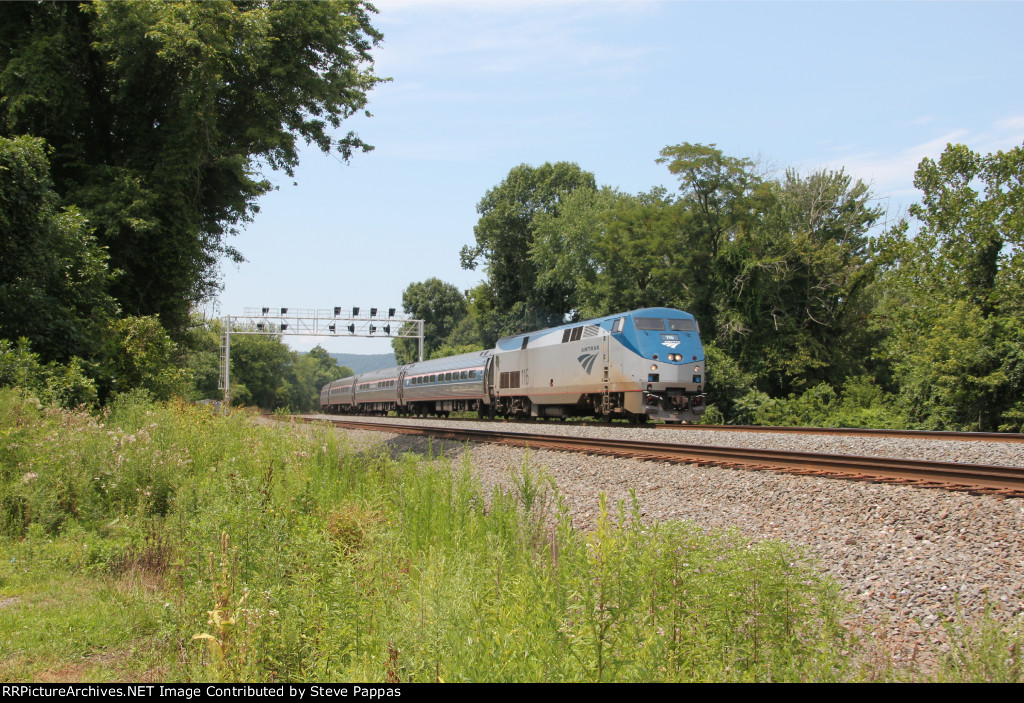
(641, 365)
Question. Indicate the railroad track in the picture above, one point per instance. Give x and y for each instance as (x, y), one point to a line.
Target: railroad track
(826, 431)
(860, 432)
(1006, 481)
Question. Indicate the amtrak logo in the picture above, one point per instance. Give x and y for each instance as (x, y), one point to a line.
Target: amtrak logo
(670, 345)
(587, 361)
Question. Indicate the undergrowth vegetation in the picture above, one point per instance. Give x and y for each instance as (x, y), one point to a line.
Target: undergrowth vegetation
(161, 542)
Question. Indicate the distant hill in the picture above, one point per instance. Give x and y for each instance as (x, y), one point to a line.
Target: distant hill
(365, 362)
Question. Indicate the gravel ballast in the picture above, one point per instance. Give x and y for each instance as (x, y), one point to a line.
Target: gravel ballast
(910, 557)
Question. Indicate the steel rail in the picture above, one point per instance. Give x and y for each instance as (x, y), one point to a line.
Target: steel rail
(1000, 480)
(826, 431)
(860, 432)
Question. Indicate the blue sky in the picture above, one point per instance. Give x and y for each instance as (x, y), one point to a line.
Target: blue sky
(480, 87)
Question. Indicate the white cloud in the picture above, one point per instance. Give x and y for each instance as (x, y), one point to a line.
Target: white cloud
(1013, 124)
(892, 175)
(896, 171)
(506, 37)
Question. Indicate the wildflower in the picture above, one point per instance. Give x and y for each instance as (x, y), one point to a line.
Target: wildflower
(29, 477)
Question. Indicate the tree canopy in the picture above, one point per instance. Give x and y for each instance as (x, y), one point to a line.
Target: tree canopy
(952, 300)
(441, 306)
(504, 236)
(161, 116)
(53, 275)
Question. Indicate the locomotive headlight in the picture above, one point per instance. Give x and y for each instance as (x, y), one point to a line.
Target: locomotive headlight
(696, 369)
(654, 367)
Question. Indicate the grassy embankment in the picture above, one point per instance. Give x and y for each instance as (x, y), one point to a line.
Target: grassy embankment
(164, 543)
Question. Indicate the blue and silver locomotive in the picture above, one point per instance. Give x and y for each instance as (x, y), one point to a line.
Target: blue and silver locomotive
(641, 365)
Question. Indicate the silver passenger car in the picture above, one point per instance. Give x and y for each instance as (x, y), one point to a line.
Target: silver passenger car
(440, 386)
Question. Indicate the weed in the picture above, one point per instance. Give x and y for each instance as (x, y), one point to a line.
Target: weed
(356, 566)
(987, 651)
(350, 525)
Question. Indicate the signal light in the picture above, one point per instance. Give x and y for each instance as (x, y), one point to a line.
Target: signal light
(266, 310)
(373, 312)
(372, 329)
(387, 330)
(391, 312)
(284, 326)
(351, 329)
(355, 312)
(337, 310)
(259, 326)
(284, 311)
(331, 328)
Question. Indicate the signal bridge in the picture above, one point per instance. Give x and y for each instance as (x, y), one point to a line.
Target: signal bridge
(303, 322)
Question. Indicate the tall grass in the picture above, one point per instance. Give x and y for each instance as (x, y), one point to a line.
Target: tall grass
(181, 545)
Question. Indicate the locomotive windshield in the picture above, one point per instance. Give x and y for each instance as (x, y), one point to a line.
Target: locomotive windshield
(649, 323)
(657, 324)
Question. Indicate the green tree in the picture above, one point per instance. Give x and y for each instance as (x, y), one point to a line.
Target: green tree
(564, 249)
(504, 238)
(259, 365)
(618, 251)
(202, 351)
(442, 307)
(952, 293)
(792, 281)
(137, 353)
(644, 256)
(162, 115)
(719, 191)
(67, 384)
(306, 375)
(53, 276)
